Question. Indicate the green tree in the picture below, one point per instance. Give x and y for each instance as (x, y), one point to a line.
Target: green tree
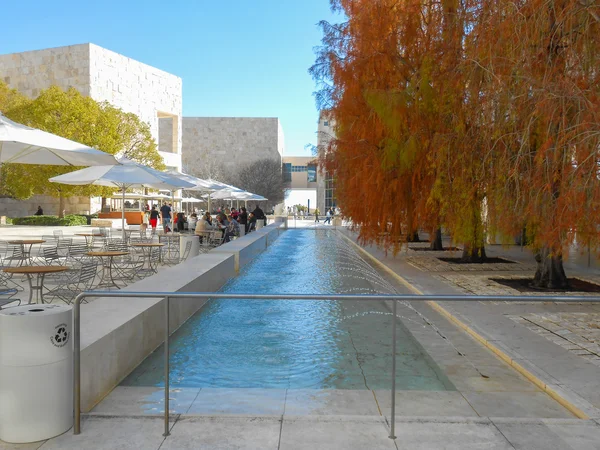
(73, 116)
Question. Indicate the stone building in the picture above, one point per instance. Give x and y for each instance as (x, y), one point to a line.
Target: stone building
(152, 94)
(217, 147)
(301, 175)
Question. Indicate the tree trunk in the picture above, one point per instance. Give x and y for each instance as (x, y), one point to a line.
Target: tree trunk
(413, 236)
(474, 253)
(104, 199)
(436, 241)
(550, 273)
(61, 205)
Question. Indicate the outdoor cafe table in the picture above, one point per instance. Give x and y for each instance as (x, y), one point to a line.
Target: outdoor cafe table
(107, 279)
(148, 246)
(89, 237)
(40, 272)
(26, 252)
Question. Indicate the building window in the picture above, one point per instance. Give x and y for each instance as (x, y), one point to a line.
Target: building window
(330, 201)
(287, 172)
(312, 173)
(325, 123)
(298, 168)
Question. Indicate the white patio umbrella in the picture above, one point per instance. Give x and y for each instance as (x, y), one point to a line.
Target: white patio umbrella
(24, 145)
(238, 195)
(125, 175)
(208, 186)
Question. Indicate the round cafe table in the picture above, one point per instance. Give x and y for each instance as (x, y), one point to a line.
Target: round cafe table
(39, 272)
(26, 252)
(107, 279)
(147, 249)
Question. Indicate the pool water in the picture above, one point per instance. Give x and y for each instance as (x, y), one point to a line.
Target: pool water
(296, 344)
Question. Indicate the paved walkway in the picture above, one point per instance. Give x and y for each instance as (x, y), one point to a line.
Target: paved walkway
(570, 368)
(311, 433)
(493, 406)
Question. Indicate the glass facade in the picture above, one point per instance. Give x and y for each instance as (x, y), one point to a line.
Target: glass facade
(330, 201)
(298, 168)
(287, 172)
(312, 173)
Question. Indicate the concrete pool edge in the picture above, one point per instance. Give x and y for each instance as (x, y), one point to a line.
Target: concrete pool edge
(574, 403)
(118, 334)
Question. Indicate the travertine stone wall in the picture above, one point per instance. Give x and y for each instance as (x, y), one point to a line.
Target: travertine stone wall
(232, 141)
(18, 208)
(165, 134)
(136, 87)
(30, 72)
(103, 75)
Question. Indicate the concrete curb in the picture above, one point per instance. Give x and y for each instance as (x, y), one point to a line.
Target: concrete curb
(571, 401)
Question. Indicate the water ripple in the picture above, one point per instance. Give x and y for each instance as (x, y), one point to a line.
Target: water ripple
(293, 344)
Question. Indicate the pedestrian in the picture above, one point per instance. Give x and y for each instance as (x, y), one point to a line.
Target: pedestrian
(181, 222)
(154, 215)
(165, 213)
(327, 217)
(317, 215)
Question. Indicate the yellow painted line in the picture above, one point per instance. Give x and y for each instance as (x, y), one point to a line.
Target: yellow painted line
(498, 352)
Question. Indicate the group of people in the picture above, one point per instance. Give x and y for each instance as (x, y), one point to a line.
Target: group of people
(229, 222)
(328, 215)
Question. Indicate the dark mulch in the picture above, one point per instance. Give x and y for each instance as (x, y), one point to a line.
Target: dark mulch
(524, 285)
(487, 261)
(427, 249)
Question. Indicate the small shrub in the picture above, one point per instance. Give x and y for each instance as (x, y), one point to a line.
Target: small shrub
(69, 220)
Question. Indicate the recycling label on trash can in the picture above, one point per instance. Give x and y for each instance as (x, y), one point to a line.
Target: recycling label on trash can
(61, 335)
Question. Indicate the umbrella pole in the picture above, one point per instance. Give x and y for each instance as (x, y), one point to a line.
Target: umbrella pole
(123, 215)
(209, 203)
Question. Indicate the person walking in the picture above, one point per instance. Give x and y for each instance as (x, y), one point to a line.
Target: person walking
(327, 217)
(165, 212)
(154, 215)
(317, 215)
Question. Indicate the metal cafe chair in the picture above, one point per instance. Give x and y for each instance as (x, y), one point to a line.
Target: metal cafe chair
(125, 268)
(153, 262)
(6, 297)
(67, 285)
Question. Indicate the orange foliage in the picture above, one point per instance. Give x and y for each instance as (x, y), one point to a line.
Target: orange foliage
(447, 113)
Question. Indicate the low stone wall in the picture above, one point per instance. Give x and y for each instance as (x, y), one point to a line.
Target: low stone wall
(117, 334)
(246, 248)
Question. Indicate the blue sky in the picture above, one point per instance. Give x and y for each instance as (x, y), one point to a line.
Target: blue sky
(236, 58)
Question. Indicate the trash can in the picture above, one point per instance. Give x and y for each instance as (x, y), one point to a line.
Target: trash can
(36, 372)
(260, 223)
(194, 250)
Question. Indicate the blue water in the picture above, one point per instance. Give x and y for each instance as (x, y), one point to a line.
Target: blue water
(295, 344)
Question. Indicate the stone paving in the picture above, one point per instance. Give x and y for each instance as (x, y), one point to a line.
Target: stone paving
(483, 284)
(579, 333)
(494, 406)
(430, 262)
(560, 368)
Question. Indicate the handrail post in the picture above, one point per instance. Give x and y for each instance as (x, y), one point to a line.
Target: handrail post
(166, 433)
(77, 364)
(393, 415)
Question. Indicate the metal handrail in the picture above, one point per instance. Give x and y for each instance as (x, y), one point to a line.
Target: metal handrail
(327, 297)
